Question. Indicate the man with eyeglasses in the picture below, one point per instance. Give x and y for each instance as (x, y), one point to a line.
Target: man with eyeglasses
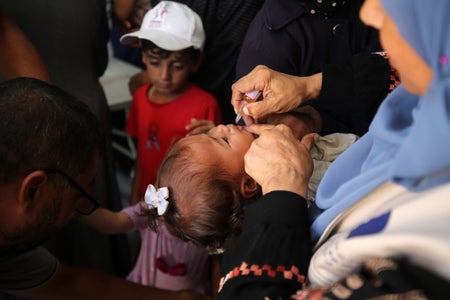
(50, 146)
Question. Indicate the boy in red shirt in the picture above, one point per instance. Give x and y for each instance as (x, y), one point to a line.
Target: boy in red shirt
(172, 38)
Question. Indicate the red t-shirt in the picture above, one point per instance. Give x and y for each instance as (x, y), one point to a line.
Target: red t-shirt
(157, 126)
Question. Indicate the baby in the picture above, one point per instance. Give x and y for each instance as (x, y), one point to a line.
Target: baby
(208, 187)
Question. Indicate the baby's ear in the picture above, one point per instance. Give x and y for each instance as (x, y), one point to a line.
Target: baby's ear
(249, 187)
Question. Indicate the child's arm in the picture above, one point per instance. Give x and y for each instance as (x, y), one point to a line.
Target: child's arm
(135, 196)
(215, 275)
(109, 222)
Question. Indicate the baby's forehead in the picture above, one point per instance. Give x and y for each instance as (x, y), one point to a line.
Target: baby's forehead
(199, 146)
(196, 140)
(193, 139)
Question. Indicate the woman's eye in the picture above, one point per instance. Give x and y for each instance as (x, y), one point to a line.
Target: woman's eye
(225, 139)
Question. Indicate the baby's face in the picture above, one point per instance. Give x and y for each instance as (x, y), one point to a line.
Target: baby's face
(224, 144)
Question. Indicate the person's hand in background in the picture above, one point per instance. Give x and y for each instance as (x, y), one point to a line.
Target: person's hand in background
(199, 126)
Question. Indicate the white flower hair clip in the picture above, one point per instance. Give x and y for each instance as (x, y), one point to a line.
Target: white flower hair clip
(156, 198)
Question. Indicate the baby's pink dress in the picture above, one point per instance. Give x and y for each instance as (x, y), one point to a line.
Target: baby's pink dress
(163, 257)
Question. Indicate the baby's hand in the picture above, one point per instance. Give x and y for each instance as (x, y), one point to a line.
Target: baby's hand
(199, 126)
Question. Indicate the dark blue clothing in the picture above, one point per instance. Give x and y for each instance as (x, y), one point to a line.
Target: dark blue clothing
(127, 53)
(287, 37)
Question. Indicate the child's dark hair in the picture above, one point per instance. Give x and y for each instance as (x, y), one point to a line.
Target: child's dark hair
(148, 46)
(205, 205)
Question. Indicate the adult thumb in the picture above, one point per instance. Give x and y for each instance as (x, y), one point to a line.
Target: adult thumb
(309, 139)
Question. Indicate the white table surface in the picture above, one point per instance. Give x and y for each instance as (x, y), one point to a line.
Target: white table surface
(115, 82)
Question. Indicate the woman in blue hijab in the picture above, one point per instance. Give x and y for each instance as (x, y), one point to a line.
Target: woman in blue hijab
(385, 225)
(409, 139)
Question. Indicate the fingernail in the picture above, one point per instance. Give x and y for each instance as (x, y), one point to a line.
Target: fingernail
(245, 110)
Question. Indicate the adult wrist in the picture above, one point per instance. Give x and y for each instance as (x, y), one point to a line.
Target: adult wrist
(314, 86)
(291, 183)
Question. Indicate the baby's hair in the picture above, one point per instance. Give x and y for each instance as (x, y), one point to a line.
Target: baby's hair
(148, 46)
(205, 204)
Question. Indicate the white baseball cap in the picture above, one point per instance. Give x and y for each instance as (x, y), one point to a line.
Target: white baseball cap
(171, 26)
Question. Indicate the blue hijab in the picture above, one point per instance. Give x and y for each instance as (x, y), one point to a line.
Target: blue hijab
(408, 141)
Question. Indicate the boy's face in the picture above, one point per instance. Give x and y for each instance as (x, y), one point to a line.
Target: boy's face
(169, 75)
(224, 144)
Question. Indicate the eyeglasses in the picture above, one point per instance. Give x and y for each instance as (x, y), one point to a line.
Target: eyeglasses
(80, 206)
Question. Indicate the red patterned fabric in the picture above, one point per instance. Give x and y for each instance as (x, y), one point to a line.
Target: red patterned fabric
(265, 270)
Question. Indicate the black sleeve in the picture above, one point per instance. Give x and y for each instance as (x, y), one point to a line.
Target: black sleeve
(260, 261)
(355, 88)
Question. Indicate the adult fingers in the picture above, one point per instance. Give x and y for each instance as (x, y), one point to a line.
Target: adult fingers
(257, 79)
(258, 128)
(308, 140)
